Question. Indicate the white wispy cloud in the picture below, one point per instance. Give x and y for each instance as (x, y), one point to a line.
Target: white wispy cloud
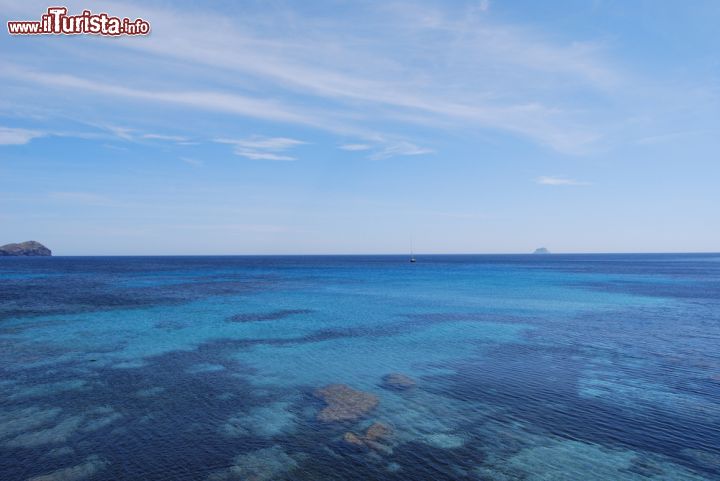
(401, 148)
(170, 138)
(263, 148)
(204, 99)
(257, 155)
(556, 180)
(268, 143)
(121, 132)
(13, 136)
(471, 73)
(131, 134)
(355, 147)
(384, 148)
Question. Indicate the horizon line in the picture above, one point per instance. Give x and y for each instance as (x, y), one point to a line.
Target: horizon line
(550, 254)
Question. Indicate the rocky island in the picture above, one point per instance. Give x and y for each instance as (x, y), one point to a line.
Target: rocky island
(29, 248)
(541, 250)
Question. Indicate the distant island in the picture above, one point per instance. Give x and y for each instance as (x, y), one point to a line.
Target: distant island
(541, 250)
(28, 248)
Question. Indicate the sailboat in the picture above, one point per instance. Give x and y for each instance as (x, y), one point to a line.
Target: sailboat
(412, 256)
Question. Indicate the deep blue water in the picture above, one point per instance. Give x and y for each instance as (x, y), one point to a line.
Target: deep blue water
(560, 367)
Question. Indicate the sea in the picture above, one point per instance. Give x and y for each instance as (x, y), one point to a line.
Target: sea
(516, 368)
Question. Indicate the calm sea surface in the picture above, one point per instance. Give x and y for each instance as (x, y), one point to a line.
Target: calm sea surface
(552, 368)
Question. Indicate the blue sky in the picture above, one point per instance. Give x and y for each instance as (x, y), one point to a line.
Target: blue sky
(266, 127)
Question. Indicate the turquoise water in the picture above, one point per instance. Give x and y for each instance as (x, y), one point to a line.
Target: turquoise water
(592, 367)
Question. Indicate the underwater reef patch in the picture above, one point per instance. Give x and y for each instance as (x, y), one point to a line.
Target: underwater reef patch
(344, 403)
(397, 382)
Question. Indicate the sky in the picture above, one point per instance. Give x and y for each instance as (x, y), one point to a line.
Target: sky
(363, 127)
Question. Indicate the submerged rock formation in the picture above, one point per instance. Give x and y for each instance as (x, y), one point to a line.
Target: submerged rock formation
(344, 403)
(378, 432)
(397, 382)
(374, 438)
(29, 248)
(353, 440)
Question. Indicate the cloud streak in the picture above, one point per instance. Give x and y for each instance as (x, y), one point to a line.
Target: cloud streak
(355, 147)
(263, 148)
(169, 138)
(202, 99)
(13, 136)
(466, 77)
(399, 148)
(555, 180)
